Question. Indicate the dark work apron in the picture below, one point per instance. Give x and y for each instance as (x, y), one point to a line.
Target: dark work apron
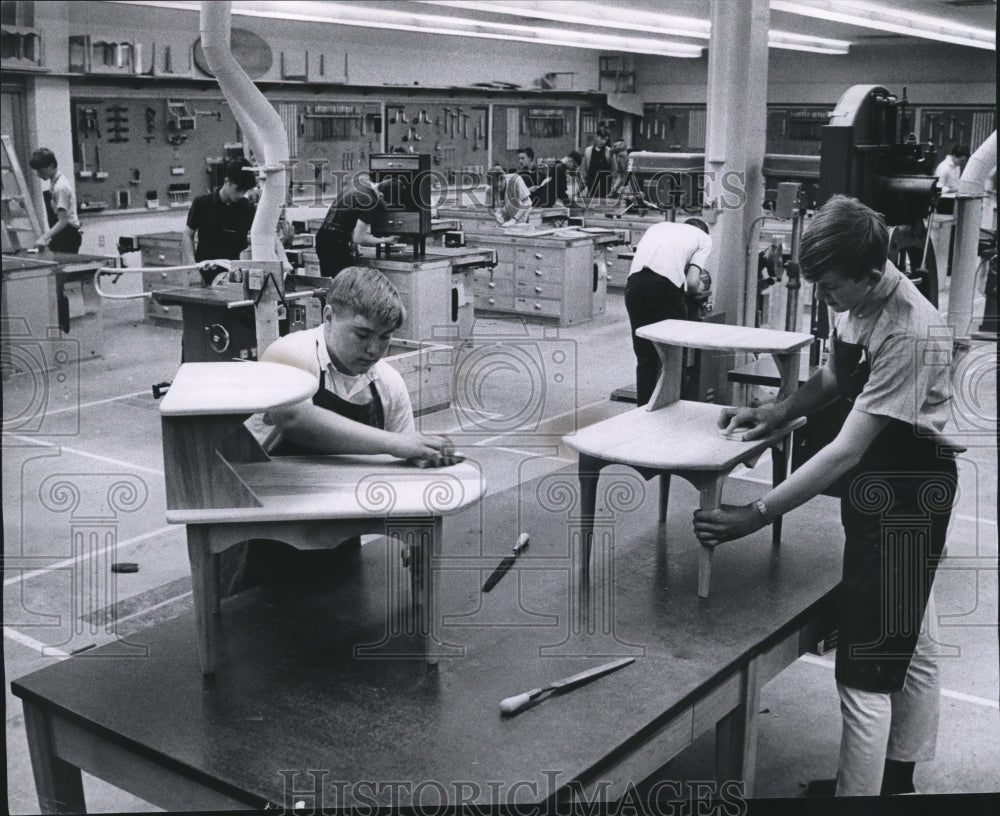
(895, 506)
(272, 565)
(371, 413)
(69, 238)
(599, 173)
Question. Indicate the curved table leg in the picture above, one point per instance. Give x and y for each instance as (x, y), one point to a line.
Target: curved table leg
(589, 470)
(780, 458)
(664, 495)
(710, 498)
(709, 484)
(425, 546)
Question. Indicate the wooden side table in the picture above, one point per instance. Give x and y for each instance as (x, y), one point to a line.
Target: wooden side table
(671, 436)
(226, 489)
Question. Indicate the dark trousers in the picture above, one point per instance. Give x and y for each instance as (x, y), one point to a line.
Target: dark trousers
(68, 239)
(334, 252)
(650, 298)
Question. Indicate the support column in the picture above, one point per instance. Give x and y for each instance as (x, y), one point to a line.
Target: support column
(734, 152)
(49, 117)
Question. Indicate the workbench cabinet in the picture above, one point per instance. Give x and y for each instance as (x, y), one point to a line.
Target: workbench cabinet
(549, 277)
(164, 249)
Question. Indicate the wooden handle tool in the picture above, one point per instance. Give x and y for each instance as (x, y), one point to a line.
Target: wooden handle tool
(511, 705)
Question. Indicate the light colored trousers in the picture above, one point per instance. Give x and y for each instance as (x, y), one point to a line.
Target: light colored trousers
(941, 239)
(901, 725)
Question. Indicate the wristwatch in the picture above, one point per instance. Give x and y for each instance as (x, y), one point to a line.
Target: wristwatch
(762, 509)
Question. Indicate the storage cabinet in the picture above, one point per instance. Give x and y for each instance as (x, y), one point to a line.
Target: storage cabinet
(551, 277)
(428, 371)
(438, 290)
(164, 249)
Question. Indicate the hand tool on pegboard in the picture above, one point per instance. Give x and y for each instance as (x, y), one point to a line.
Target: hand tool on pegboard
(98, 172)
(150, 115)
(89, 123)
(83, 172)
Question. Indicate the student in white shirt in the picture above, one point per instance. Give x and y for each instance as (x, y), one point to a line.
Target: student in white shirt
(63, 233)
(669, 263)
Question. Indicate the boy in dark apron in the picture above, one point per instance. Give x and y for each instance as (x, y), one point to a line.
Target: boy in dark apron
(347, 225)
(896, 492)
(361, 404)
(63, 234)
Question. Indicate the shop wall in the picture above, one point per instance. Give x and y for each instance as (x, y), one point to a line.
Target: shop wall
(933, 74)
(350, 54)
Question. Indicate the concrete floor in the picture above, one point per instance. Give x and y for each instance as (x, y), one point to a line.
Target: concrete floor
(69, 440)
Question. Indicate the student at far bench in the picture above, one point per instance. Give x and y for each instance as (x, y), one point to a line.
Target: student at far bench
(63, 234)
(219, 222)
(669, 265)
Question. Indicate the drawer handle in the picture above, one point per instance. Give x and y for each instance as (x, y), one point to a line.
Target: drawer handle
(163, 275)
(538, 272)
(538, 289)
(162, 257)
(491, 301)
(492, 285)
(538, 255)
(538, 306)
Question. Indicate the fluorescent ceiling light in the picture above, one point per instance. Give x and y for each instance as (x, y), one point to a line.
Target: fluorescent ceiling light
(600, 17)
(593, 14)
(606, 16)
(803, 42)
(340, 13)
(884, 18)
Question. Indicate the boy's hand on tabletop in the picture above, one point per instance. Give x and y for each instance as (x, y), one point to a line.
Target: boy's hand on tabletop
(428, 451)
(712, 527)
(747, 424)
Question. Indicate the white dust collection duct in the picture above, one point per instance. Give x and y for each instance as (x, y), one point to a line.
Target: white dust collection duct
(259, 121)
(968, 218)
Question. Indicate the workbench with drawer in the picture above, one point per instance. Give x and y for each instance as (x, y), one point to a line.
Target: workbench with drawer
(164, 249)
(550, 276)
(635, 226)
(436, 289)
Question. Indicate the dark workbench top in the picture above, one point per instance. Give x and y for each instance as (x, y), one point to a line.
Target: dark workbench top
(290, 696)
(22, 259)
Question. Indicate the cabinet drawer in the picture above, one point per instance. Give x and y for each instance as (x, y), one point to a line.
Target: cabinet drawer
(493, 302)
(394, 163)
(533, 272)
(548, 308)
(162, 256)
(541, 256)
(492, 288)
(616, 280)
(387, 223)
(160, 239)
(166, 280)
(539, 289)
(500, 271)
(616, 265)
(157, 311)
